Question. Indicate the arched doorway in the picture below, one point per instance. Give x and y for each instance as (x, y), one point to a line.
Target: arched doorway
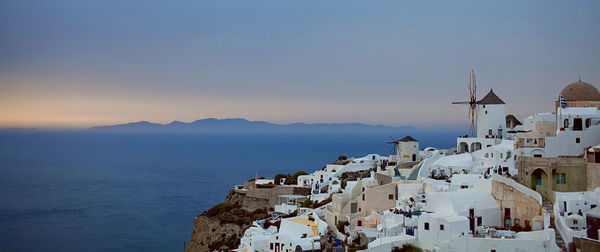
(539, 178)
(463, 147)
(475, 146)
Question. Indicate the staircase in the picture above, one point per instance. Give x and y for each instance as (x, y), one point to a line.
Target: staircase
(547, 205)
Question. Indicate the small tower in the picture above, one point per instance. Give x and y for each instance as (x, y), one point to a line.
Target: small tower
(491, 117)
(407, 149)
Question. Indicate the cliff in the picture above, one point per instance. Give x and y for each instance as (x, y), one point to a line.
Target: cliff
(222, 226)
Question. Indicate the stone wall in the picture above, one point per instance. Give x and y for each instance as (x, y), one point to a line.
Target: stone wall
(574, 169)
(271, 195)
(522, 206)
(593, 176)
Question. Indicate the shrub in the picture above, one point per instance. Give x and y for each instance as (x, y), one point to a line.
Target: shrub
(322, 203)
(343, 185)
(407, 248)
(342, 157)
(218, 209)
(307, 203)
(340, 225)
(259, 216)
(278, 177)
(298, 173)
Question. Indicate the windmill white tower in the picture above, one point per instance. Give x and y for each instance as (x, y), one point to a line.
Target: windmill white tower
(488, 119)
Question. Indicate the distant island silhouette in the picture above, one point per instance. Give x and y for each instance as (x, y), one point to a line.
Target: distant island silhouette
(239, 125)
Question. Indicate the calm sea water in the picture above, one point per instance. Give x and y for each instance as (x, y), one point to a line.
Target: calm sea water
(131, 192)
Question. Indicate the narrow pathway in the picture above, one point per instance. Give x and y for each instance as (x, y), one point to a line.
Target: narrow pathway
(547, 205)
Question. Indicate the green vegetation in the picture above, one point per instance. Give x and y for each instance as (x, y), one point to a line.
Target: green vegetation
(307, 203)
(341, 224)
(299, 173)
(218, 209)
(278, 178)
(407, 248)
(259, 217)
(322, 203)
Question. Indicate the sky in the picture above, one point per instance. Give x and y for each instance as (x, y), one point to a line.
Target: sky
(76, 64)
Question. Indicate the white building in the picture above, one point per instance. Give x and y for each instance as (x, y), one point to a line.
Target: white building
(295, 233)
(491, 125)
(574, 125)
(570, 210)
(407, 149)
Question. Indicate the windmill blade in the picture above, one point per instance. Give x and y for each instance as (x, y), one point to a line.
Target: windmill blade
(474, 87)
(473, 121)
(461, 102)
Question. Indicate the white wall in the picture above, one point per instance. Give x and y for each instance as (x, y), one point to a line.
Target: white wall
(491, 116)
(406, 150)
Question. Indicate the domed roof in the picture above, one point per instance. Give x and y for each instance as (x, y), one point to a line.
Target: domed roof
(580, 91)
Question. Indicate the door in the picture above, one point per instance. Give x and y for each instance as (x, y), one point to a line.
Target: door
(507, 221)
(472, 220)
(577, 124)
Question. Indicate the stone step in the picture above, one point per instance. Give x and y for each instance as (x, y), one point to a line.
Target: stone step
(547, 205)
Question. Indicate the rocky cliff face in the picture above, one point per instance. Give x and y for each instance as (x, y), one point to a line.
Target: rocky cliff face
(209, 235)
(222, 226)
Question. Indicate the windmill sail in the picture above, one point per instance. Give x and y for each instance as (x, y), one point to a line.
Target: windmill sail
(472, 102)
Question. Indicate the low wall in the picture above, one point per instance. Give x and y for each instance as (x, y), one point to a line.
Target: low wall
(541, 241)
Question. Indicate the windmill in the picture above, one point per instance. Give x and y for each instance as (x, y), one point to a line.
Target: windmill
(472, 102)
(394, 143)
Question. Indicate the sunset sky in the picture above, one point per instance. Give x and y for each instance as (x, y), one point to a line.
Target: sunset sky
(75, 64)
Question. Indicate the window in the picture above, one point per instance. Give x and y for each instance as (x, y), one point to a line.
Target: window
(537, 155)
(441, 226)
(479, 221)
(426, 225)
(359, 223)
(490, 132)
(566, 123)
(464, 186)
(538, 181)
(353, 208)
(577, 140)
(391, 196)
(560, 178)
(575, 222)
(486, 112)
(588, 122)
(271, 246)
(501, 155)
(363, 196)
(517, 222)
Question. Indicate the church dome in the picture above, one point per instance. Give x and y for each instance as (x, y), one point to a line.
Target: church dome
(580, 91)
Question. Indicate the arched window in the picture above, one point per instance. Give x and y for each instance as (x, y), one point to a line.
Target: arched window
(566, 123)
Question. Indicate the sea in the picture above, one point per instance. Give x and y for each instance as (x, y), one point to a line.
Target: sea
(84, 191)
